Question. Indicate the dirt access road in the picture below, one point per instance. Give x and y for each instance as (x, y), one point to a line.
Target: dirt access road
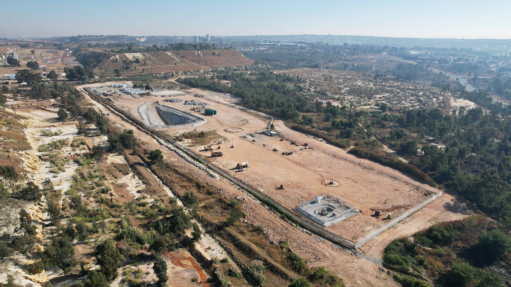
(355, 271)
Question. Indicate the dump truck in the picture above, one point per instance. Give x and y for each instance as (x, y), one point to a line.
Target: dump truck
(242, 165)
(217, 154)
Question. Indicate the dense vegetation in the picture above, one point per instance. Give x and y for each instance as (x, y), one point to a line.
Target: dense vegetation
(456, 253)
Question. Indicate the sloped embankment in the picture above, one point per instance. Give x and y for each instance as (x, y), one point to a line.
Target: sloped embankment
(170, 61)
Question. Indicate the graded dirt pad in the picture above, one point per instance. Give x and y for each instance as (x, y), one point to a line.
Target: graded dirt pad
(354, 271)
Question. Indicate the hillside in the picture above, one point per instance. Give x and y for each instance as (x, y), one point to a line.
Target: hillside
(165, 62)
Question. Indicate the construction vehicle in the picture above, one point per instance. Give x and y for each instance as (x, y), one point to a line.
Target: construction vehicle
(287, 153)
(242, 165)
(217, 154)
(275, 149)
(208, 148)
(280, 187)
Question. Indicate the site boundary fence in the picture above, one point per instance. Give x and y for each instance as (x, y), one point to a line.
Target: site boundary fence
(397, 220)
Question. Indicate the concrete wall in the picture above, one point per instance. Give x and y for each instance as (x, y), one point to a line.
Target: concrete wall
(393, 222)
(174, 117)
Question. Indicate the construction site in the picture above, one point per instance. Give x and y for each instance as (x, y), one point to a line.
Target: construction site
(291, 168)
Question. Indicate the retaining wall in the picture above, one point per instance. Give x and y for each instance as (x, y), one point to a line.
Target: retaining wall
(393, 222)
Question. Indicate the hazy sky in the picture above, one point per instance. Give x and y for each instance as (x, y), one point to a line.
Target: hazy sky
(392, 18)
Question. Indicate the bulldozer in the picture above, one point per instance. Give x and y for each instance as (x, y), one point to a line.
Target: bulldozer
(242, 165)
(217, 154)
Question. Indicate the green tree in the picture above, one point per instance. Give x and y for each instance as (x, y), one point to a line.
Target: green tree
(493, 245)
(189, 199)
(30, 192)
(13, 62)
(302, 282)
(160, 269)
(62, 115)
(155, 155)
(26, 223)
(197, 233)
(235, 216)
(32, 65)
(95, 279)
(82, 231)
(384, 107)
(54, 212)
(159, 244)
(60, 252)
(98, 152)
(109, 258)
(52, 76)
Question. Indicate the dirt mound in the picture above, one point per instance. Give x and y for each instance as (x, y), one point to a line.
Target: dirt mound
(174, 61)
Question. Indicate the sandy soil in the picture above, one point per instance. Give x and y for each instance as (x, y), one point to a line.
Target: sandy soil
(303, 173)
(355, 271)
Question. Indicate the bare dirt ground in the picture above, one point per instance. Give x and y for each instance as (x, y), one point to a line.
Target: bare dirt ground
(360, 186)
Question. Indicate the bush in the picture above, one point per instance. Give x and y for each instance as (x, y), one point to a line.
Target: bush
(30, 193)
(493, 245)
(189, 199)
(155, 155)
(409, 281)
(300, 283)
(95, 279)
(62, 115)
(5, 251)
(196, 234)
(297, 264)
(234, 216)
(160, 269)
(60, 252)
(256, 272)
(465, 275)
(109, 258)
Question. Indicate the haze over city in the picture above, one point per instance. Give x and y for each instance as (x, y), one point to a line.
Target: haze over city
(395, 18)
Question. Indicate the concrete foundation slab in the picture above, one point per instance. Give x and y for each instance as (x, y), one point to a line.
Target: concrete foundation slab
(326, 210)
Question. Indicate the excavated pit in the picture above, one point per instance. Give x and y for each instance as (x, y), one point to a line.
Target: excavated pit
(167, 117)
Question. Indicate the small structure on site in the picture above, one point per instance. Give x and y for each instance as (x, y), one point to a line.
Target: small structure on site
(209, 112)
(326, 210)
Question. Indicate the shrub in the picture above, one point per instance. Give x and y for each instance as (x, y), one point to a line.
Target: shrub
(189, 199)
(155, 155)
(30, 192)
(95, 279)
(297, 264)
(302, 282)
(256, 272)
(409, 281)
(60, 253)
(196, 234)
(160, 269)
(234, 216)
(5, 251)
(109, 258)
(493, 245)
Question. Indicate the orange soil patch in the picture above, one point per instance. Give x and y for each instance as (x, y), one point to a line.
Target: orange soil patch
(188, 262)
